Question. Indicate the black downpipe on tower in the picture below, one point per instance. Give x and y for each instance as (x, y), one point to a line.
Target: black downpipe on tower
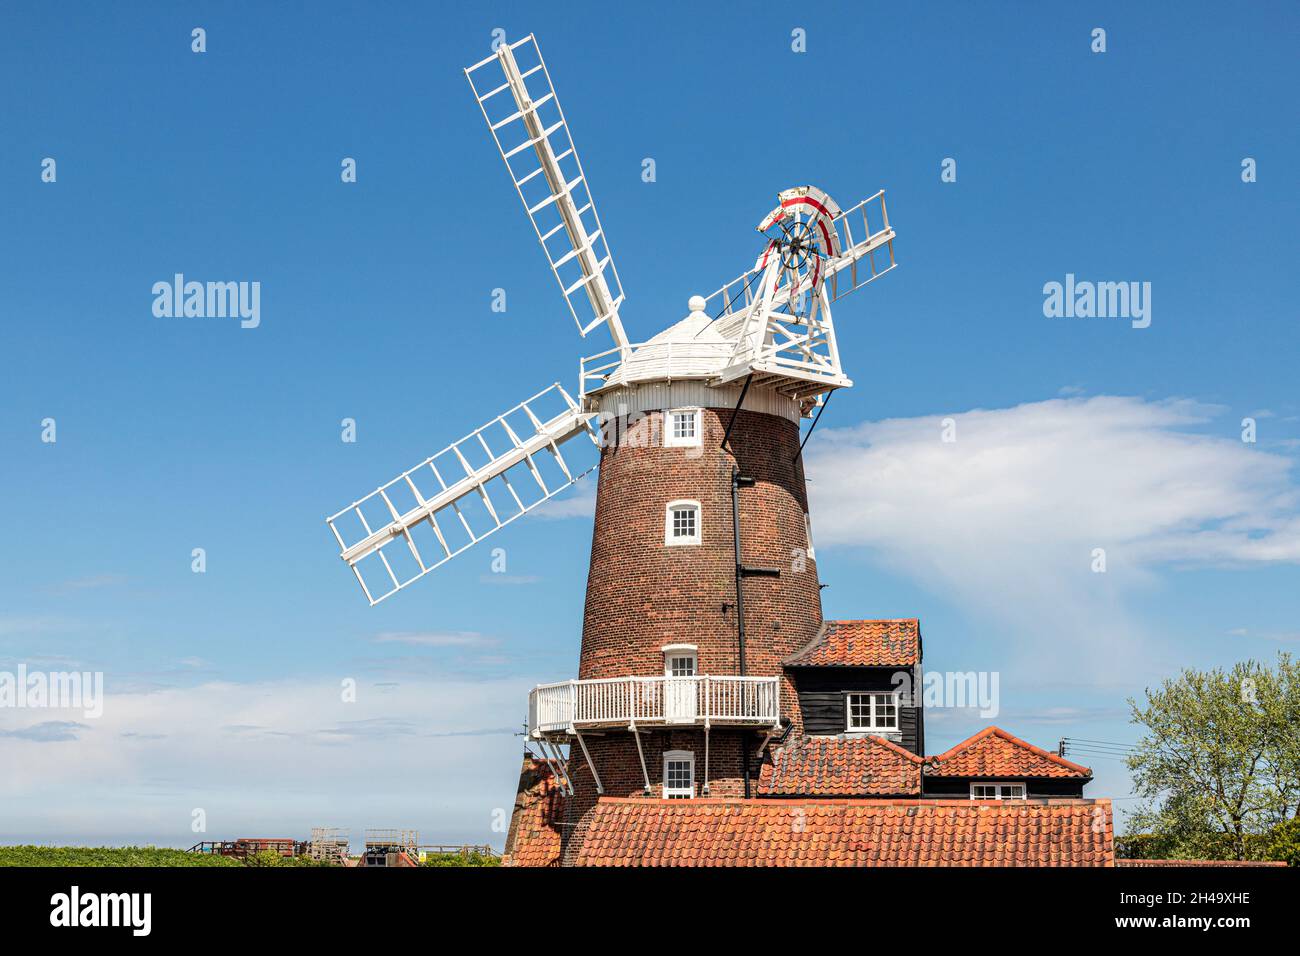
(739, 481)
(736, 482)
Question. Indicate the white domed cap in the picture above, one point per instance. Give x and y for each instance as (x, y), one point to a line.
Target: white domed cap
(697, 303)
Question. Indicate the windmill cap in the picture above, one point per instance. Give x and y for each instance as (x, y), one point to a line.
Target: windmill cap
(697, 303)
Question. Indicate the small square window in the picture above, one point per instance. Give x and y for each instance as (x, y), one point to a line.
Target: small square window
(682, 523)
(873, 713)
(679, 665)
(682, 427)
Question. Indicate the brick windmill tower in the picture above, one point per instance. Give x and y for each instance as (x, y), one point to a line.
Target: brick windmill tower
(703, 577)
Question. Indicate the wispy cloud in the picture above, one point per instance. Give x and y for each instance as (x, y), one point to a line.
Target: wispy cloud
(1285, 637)
(27, 625)
(49, 731)
(434, 638)
(88, 583)
(1005, 520)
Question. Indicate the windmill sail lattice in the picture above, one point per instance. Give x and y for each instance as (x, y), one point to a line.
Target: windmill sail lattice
(771, 327)
(533, 137)
(419, 520)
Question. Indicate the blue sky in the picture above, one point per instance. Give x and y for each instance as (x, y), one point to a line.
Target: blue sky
(179, 433)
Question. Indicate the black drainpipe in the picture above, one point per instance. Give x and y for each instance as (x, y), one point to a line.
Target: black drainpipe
(740, 603)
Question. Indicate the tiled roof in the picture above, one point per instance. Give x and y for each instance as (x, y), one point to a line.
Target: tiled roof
(534, 837)
(862, 644)
(841, 767)
(995, 753)
(640, 832)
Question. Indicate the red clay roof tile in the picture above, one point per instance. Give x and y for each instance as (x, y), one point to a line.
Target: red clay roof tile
(534, 837)
(841, 767)
(884, 643)
(995, 753)
(767, 832)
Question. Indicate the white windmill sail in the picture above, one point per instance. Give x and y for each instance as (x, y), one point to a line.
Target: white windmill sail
(533, 137)
(458, 496)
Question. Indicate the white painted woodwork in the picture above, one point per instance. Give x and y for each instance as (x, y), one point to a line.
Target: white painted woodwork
(653, 701)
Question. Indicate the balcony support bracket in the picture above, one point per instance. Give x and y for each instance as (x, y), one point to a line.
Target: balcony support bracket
(600, 788)
(705, 791)
(645, 774)
(555, 760)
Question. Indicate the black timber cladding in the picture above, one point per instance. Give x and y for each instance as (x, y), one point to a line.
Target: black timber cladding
(823, 699)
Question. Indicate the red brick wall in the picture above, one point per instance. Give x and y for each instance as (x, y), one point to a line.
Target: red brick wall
(643, 594)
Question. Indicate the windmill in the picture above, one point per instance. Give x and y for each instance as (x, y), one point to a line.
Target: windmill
(767, 334)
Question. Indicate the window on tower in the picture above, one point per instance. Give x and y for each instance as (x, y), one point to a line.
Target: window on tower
(873, 713)
(679, 775)
(682, 523)
(680, 660)
(682, 427)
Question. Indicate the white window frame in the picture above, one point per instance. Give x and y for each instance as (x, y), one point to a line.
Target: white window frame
(670, 431)
(999, 786)
(672, 651)
(679, 505)
(676, 793)
(874, 727)
(807, 530)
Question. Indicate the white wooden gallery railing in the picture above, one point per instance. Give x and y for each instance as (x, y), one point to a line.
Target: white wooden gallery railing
(623, 701)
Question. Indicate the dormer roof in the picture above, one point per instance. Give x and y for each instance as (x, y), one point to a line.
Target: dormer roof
(892, 642)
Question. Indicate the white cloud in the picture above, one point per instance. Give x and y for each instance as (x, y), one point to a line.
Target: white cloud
(269, 758)
(578, 503)
(1004, 521)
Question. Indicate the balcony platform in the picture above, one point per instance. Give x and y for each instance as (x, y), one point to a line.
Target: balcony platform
(559, 710)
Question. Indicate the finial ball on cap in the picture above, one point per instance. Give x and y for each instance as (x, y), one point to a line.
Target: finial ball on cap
(696, 303)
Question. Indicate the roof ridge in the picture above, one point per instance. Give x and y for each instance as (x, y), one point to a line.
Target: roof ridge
(915, 758)
(994, 731)
(1055, 758)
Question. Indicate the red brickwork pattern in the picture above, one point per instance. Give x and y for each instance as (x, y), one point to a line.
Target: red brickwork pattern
(642, 594)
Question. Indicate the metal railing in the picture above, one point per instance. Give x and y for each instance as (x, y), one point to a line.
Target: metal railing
(615, 701)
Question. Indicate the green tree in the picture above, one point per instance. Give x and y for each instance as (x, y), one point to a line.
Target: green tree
(1219, 762)
(1284, 843)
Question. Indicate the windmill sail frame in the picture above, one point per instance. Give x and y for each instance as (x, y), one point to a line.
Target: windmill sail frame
(556, 200)
(419, 497)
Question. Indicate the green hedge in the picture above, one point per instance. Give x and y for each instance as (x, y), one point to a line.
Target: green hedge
(107, 856)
